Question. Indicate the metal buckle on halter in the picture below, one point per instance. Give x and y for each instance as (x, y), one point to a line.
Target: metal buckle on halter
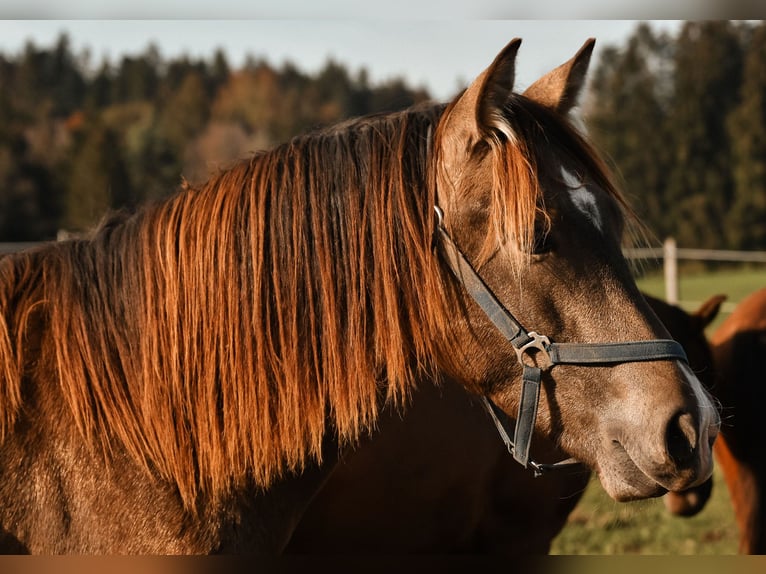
(539, 343)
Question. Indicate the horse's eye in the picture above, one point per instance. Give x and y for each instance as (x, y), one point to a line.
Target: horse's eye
(544, 242)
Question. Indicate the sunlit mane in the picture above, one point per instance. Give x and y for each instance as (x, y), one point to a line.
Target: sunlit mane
(217, 333)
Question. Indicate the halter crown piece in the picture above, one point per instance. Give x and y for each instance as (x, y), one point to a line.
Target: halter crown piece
(527, 342)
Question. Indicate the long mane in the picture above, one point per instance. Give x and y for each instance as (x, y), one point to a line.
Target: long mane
(219, 335)
(216, 333)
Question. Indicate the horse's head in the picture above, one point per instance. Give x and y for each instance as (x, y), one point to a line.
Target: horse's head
(527, 201)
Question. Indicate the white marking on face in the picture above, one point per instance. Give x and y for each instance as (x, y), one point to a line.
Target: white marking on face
(709, 416)
(583, 198)
(709, 419)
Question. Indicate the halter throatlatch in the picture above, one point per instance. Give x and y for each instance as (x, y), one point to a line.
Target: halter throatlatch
(546, 353)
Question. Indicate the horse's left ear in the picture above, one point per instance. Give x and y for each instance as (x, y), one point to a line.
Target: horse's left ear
(494, 87)
(560, 88)
(476, 115)
(479, 108)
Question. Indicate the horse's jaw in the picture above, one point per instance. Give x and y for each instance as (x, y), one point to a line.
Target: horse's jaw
(624, 481)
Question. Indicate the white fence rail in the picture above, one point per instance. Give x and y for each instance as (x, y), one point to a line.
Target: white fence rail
(670, 254)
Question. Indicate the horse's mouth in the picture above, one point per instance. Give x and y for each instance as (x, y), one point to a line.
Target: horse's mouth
(624, 480)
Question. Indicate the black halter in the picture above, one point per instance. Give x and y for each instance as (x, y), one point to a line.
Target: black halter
(525, 342)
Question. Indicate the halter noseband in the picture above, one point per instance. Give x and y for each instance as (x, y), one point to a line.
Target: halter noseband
(525, 342)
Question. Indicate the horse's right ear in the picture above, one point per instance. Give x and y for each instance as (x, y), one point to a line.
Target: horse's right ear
(561, 87)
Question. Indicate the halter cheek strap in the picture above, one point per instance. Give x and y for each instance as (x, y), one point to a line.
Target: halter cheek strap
(526, 343)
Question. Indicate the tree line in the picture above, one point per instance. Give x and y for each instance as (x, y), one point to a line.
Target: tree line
(682, 118)
(76, 140)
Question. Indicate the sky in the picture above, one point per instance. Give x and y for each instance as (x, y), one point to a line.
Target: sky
(440, 55)
(385, 9)
(437, 44)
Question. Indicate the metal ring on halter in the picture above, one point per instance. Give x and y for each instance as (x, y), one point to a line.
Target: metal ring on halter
(539, 343)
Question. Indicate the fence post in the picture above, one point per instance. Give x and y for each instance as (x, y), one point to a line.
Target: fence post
(670, 266)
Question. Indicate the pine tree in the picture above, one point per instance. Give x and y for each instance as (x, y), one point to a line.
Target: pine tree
(746, 222)
(186, 111)
(65, 81)
(137, 78)
(627, 114)
(98, 179)
(708, 71)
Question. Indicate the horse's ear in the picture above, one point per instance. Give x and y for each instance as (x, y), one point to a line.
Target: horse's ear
(475, 115)
(479, 109)
(560, 88)
(709, 310)
(494, 87)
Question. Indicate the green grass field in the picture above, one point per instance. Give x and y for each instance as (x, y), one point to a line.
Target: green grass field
(600, 525)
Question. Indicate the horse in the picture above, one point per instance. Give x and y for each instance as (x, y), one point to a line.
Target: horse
(690, 330)
(439, 479)
(185, 378)
(738, 346)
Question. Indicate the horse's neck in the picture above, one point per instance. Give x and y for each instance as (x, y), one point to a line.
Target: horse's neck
(281, 508)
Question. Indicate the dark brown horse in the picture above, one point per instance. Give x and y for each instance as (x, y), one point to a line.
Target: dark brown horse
(184, 379)
(440, 480)
(739, 348)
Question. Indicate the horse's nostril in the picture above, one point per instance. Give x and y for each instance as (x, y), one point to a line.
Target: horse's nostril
(681, 439)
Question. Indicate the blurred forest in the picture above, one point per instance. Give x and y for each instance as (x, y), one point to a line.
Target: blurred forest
(682, 118)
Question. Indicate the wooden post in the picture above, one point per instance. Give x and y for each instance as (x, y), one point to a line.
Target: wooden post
(670, 265)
